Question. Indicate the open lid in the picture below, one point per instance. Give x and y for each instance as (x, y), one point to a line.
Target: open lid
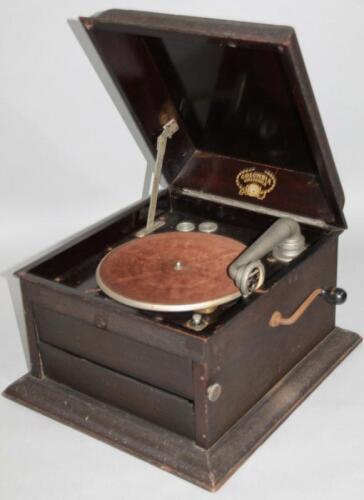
(249, 127)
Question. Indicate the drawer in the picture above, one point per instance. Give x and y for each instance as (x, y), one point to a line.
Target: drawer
(113, 350)
(143, 400)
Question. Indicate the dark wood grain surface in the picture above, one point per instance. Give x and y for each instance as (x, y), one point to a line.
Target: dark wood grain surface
(141, 379)
(143, 400)
(98, 343)
(236, 89)
(175, 453)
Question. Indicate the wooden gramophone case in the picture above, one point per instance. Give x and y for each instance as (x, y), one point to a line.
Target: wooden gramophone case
(250, 148)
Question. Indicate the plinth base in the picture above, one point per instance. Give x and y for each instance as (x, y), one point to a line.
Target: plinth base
(174, 453)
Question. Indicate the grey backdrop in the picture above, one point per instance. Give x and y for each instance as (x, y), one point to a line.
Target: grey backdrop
(61, 141)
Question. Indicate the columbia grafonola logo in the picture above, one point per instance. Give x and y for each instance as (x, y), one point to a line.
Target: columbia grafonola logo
(254, 183)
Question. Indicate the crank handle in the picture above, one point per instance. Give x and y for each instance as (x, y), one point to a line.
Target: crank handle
(334, 296)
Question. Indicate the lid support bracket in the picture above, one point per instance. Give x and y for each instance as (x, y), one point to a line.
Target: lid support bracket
(169, 129)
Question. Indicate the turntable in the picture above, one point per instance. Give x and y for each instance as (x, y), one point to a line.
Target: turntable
(186, 328)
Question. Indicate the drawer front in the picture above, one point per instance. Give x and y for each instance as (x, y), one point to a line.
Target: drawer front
(145, 401)
(96, 343)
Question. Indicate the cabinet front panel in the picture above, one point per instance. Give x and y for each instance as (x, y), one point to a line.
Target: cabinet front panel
(112, 350)
(143, 400)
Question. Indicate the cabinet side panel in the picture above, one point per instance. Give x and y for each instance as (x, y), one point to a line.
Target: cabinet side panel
(248, 356)
(32, 334)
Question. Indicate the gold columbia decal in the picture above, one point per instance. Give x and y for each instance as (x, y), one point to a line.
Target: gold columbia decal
(254, 183)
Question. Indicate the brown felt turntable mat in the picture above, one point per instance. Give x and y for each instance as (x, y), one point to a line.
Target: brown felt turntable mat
(171, 271)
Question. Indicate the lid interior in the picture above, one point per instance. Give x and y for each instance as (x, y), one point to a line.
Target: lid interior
(242, 100)
(233, 101)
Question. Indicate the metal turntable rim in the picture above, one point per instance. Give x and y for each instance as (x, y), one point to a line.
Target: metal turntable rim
(222, 247)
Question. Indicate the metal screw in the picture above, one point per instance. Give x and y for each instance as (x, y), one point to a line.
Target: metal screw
(214, 392)
(197, 322)
(196, 319)
(100, 321)
(178, 265)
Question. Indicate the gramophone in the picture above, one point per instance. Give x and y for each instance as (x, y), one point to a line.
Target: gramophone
(187, 327)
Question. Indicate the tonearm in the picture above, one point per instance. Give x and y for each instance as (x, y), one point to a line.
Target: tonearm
(284, 239)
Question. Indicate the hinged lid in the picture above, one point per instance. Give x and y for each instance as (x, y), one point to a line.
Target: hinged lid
(249, 127)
